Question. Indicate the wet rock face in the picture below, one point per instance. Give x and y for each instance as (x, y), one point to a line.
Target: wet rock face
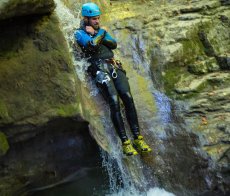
(37, 84)
(185, 46)
(62, 151)
(13, 8)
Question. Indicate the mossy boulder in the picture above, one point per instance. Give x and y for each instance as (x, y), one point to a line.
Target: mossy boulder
(37, 76)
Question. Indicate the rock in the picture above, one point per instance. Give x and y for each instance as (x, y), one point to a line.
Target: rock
(188, 35)
(4, 146)
(225, 19)
(67, 149)
(209, 50)
(151, 18)
(191, 84)
(200, 6)
(189, 17)
(221, 127)
(217, 151)
(13, 8)
(191, 9)
(184, 31)
(216, 40)
(224, 62)
(202, 67)
(172, 52)
(132, 24)
(225, 2)
(220, 96)
(37, 78)
(200, 104)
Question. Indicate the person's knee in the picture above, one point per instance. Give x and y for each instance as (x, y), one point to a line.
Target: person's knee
(127, 98)
(114, 103)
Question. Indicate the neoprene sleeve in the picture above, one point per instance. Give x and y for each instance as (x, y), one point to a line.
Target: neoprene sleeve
(88, 42)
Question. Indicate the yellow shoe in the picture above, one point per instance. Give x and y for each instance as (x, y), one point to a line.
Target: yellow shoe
(128, 148)
(140, 145)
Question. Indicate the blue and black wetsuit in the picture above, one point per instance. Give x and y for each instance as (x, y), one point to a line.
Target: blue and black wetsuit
(98, 50)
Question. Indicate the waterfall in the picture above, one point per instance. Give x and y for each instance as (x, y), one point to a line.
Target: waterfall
(127, 175)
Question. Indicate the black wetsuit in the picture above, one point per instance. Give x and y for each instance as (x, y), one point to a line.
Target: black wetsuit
(98, 49)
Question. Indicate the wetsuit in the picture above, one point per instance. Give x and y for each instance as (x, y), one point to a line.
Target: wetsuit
(111, 81)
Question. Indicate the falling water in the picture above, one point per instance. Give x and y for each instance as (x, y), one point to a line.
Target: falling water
(127, 175)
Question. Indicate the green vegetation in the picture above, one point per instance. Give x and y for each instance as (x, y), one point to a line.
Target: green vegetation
(4, 146)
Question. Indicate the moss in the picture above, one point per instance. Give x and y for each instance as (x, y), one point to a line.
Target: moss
(67, 110)
(36, 71)
(192, 49)
(177, 76)
(3, 111)
(171, 76)
(4, 146)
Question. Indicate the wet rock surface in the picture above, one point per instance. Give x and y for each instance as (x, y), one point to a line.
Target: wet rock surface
(185, 47)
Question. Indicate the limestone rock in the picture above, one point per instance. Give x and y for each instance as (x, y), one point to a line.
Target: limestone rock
(193, 84)
(202, 67)
(13, 8)
(202, 5)
(37, 78)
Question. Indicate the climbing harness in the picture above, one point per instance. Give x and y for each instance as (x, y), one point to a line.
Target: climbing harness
(116, 64)
(102, 77)
(114, 73)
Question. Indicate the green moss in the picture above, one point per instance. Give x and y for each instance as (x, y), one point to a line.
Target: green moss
(192, 48)
(36, 71)
(68, 110)
(4, 146)
(171, 76)
(3, 110)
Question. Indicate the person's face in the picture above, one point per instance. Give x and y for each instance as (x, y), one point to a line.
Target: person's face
(94, 22)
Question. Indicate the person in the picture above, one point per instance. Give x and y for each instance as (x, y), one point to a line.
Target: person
(97, 45)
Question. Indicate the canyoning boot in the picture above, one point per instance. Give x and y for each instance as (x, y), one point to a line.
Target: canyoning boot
(141, 145)
(128, 148)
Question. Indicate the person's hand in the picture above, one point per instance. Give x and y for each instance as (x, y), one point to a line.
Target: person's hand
(90, 30)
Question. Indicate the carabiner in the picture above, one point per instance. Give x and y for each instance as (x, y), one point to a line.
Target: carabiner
(114, 73)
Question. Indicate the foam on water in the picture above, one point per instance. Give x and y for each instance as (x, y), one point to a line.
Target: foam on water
(151, 192)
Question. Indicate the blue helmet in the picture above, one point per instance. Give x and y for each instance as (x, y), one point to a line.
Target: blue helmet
(90, 10)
